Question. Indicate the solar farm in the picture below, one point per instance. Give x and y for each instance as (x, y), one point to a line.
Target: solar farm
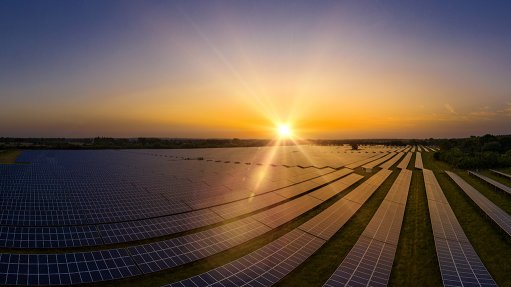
(285, 216)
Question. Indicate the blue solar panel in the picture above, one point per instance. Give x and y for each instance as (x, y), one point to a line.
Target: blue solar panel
(65, 269)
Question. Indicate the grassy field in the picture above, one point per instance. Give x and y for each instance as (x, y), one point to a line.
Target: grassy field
(416, 262)
(9, 156)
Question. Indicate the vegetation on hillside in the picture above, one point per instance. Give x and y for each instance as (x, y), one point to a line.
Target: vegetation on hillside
(487, 151)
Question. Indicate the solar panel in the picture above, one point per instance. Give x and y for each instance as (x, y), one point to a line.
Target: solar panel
(169, 253)
(374, 163)
(332, 176)
(269, 264)
(154, 227)
(285, 212)
(263, 267)
(295, 190)
(418, 160)
(406, 160)
(251, 204)
(65, 269)
(328, 222)
(492, 182)
(369, 262)
(392, 161)
(365, 190)
(336, 187)
(49, 237)
(499, 216)
(459, 263)
(508, 176)
(364, 161)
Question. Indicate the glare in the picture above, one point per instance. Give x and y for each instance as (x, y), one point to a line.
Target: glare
(284, 131)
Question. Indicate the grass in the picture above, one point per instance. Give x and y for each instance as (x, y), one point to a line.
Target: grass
(492, 246)
(416, 262)
(320, 266)
(9, 156)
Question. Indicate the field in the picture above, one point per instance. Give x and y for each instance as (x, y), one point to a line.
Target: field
(283, 216)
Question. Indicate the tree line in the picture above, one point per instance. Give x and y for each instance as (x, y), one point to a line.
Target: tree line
(486, 151)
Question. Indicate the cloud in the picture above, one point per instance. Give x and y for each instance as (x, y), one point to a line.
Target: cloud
(450, 109)
(506, 110)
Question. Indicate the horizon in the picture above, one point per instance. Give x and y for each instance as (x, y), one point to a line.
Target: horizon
(260, 139)
(223, 70)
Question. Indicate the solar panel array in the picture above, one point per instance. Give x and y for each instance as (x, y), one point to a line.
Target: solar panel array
(67, 199)
(161, 255)
(499, 216)
(263, 267)
(374, 163)
(418, 160)
(66, 269)
(326, 224)
(331, 190)
(49, 237)
(426, 149)
(388, 164)
(169, 253)
(270, 263)
(459, 263)
(85, 198)
(173, 252)
(508, 176)
(491, 182)
(406, 160)
(364, 161)
(291, 156)
(155, 227)
(369, 262)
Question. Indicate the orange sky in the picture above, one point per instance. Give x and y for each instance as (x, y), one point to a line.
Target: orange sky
(191, 70)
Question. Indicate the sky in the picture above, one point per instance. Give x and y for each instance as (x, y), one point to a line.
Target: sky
(223, 69)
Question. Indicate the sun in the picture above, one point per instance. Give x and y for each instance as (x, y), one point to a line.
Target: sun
(284, 131)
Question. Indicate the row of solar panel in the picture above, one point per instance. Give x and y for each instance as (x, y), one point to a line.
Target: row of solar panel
(458, 262)
(406, 160)
(374, 163)
(270, 263)
(491, 182)
(31, 215)
(392, 161)
(418, 160)
(499, 216)
(304, 156)
(369, 262)
(119, 175)
(364, 161)
(75, 236)
(164, 254)
(505, 175)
